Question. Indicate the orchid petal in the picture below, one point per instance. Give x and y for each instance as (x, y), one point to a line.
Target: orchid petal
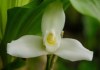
(73, 50)
(53, 18)
(26, 47)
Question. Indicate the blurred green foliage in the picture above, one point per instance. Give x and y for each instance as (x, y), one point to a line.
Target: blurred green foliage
(27, 20)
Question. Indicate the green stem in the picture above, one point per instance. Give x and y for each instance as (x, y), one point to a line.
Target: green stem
(48, 62)
(51, 59)
(54, 58)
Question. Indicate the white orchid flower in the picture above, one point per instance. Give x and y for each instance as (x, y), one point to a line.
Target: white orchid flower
(51, 42)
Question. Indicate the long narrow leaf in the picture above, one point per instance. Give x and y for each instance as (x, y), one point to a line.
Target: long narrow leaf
(4, 6)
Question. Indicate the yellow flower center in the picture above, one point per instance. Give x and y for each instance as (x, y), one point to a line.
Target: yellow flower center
(51, 39)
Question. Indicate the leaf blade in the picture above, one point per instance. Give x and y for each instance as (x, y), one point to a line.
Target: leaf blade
(87, 7)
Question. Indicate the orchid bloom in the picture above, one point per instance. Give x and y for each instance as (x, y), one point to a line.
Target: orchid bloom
(51, 41)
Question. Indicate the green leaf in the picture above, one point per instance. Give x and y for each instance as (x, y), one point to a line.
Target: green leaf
(16, 3)
(4, 6)
(87, 7)
(3, 17)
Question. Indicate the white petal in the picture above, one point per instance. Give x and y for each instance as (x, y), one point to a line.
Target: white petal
(73, 50)
(53, 18)
(26, 47)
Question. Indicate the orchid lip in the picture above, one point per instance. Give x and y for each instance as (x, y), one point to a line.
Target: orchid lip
(51, 40)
